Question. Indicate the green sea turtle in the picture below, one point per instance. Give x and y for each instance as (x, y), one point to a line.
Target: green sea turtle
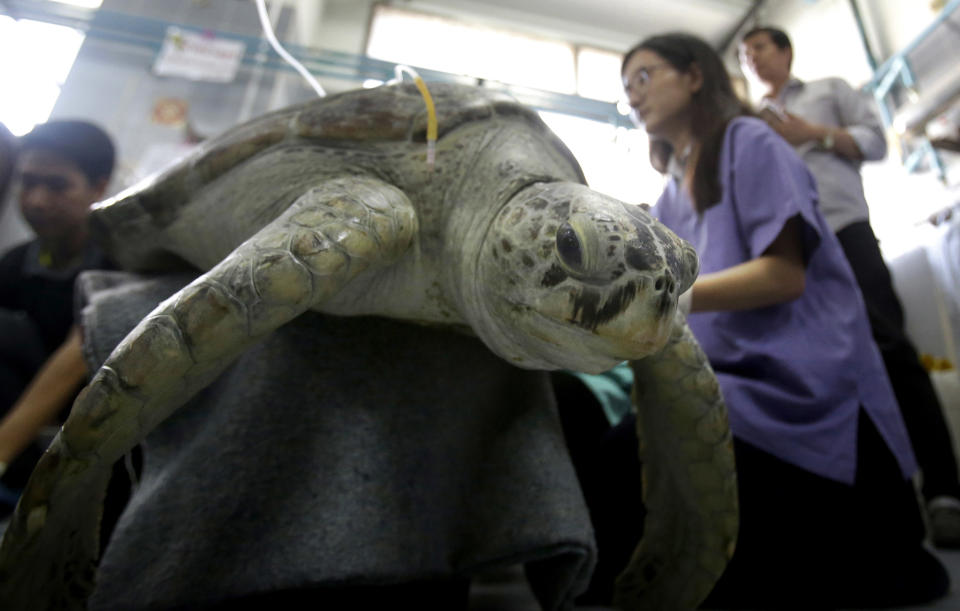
(332, 206)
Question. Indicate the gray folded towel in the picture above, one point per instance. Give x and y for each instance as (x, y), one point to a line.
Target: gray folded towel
(341, 451)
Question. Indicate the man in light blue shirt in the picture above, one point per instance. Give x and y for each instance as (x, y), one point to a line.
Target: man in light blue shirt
(835, 128)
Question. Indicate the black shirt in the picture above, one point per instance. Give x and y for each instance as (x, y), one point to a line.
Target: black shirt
(44, 295)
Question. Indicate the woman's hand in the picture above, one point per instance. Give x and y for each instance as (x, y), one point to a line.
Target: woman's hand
(776, 276)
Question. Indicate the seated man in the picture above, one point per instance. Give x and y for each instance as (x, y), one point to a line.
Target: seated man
(62, 168)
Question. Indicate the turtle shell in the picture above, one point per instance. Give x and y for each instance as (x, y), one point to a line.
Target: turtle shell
(362, 117)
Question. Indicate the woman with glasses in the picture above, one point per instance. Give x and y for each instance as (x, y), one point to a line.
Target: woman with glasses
(828, 512)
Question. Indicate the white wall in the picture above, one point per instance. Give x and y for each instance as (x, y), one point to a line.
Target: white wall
(344, 26)
(824, 36)
(113, 83)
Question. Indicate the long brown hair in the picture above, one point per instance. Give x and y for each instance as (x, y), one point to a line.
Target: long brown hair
(714, 106)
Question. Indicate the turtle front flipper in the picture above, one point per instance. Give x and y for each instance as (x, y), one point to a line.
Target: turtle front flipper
(689, 479)
(330, 235)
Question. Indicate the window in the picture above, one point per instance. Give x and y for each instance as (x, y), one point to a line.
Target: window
(598, 74)
(615, 160)
(447, 45)
(456, 47)
(32, 83)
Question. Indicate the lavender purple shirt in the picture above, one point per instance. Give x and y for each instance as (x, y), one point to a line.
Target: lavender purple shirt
(795, 374)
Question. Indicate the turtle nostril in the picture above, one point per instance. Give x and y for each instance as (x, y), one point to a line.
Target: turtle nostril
(660, 282)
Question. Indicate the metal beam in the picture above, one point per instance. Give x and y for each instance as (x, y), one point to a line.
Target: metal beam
(732, 35)
(858, 18)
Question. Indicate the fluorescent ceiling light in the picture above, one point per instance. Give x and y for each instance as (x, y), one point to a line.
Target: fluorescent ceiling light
(82, 3)
(49, 51)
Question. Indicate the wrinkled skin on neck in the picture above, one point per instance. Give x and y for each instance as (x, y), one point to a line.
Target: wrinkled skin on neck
(567, 277)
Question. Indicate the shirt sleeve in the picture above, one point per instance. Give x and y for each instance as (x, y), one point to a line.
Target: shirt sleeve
(769, 185)
(10, 265)
(664, 206)
(858, 115)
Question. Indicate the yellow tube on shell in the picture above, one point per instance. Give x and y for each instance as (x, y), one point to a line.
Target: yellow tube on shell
(431, 120)
(431, 111)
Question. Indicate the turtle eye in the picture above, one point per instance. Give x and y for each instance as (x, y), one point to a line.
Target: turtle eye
(569, 248)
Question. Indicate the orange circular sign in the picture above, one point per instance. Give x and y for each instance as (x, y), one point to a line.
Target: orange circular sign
(170, 111)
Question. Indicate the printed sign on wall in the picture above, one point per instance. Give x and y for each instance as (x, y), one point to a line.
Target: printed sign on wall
(198, 57)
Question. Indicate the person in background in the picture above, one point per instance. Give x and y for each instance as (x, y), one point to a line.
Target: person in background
(62, 168)
(834, 129)
(829, 517)
(8, 157)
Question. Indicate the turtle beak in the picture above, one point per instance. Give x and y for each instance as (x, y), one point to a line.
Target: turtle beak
(678, 256)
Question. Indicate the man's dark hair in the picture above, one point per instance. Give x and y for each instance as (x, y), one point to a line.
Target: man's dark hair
(778, 36)
(714, 106)
(88, 146)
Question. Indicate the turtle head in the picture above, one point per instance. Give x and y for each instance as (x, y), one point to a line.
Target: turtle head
(577, 280)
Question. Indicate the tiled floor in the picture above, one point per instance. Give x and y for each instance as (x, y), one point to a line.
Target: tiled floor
(507, 590)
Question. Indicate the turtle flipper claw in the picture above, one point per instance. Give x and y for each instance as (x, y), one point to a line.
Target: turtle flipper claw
(689, 480)
(51, 546)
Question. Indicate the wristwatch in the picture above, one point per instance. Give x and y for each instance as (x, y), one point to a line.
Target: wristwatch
(826, 143)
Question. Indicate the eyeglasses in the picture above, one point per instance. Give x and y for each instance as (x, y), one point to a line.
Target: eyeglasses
(56, 184)
(641, 77)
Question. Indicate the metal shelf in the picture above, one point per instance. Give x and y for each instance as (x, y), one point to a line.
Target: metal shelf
(898, 77)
